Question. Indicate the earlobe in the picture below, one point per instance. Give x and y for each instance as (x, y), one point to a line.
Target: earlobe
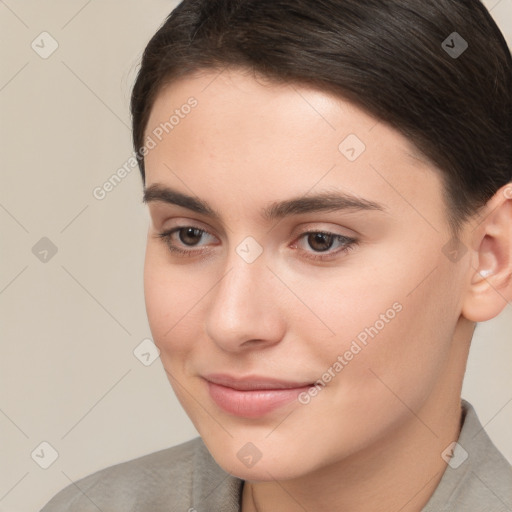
(490, 279)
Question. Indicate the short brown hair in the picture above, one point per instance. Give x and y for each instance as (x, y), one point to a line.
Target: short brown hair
(390, 57)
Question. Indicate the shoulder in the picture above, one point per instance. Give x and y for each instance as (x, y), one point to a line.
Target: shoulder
(478, 477)
(163, 480)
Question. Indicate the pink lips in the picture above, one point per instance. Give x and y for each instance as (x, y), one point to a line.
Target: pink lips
(252, 397)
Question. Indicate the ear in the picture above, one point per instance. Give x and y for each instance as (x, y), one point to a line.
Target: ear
(490, 279)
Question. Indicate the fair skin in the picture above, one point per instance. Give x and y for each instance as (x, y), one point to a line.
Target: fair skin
(372, 437)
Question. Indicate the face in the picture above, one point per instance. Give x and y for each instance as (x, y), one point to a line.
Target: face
(300, 294)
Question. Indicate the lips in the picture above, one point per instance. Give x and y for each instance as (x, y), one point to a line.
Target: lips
(252, 397)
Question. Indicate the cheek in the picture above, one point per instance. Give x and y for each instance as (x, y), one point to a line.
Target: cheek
(392, 327)
(390, 349)
(170, 297)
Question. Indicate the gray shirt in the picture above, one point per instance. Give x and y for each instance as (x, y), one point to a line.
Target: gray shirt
(186, 478)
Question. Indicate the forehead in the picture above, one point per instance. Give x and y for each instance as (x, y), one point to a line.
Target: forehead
(255, 137)
(235, 93)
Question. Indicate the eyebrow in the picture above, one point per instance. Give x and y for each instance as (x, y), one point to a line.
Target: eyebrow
(322, 202)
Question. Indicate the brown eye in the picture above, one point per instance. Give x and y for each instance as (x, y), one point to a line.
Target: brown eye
(190, 236)
(320, 241)
(323, 245)
(187, 241)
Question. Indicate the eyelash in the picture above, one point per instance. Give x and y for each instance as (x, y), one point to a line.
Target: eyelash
(348, 243)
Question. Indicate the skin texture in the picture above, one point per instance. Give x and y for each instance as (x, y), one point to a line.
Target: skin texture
(378, 428)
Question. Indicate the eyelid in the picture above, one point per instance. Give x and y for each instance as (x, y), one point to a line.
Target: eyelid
(348, 243)
(320, 227)
(298, 231)
(181, 222)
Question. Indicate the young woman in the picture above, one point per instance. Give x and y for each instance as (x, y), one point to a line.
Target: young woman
(330, 193)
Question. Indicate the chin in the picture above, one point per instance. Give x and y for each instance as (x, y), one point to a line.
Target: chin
(263, 459)
(265, 470)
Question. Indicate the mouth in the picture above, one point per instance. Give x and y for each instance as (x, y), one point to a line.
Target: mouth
(252, 397)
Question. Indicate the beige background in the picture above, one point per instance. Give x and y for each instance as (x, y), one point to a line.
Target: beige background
(68, 374)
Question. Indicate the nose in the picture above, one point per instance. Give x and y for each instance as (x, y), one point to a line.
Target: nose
(244, 311)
